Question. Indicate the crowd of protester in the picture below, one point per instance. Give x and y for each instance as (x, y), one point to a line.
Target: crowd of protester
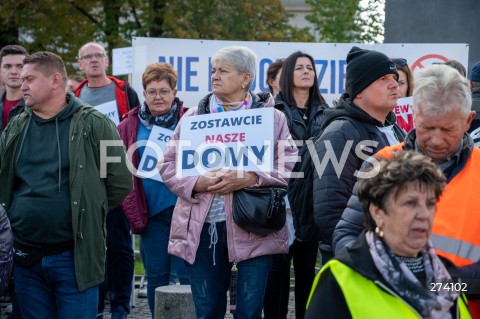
(394, 229)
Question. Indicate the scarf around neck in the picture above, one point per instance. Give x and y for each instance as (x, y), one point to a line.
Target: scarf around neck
(429, 304)
(168, 120)
(218, 106)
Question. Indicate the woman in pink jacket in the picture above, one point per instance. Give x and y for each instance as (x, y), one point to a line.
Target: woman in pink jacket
(203, 232)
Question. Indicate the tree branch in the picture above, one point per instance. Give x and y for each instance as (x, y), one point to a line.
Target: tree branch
(134, 13)
(84, 12)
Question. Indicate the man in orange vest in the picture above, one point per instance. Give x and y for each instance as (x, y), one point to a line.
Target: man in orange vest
(442, 116)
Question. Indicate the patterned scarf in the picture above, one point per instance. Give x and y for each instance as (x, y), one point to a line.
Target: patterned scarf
(429, 304)
(217, 105)
(168, 120)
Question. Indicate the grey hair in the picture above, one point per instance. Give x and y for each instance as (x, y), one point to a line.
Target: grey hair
(241, 58)
(440, 89)
(92, 43)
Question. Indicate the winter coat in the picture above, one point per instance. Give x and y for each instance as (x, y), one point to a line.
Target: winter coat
(91, 195)
(6, 250)
(191, 209)
(351, 223)
(296, 124)
(330, 192)
(17, 109)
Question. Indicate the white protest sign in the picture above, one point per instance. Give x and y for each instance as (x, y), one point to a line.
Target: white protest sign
(235, 140)
(110, 110)
(153, 153)
(122, 61)
(404, 113)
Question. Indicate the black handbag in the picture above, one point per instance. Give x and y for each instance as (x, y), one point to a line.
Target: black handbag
(260, 210)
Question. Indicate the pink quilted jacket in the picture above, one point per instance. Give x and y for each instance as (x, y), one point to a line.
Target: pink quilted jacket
(190, 212)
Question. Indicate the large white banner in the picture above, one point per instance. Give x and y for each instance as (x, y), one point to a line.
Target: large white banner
(192, 60)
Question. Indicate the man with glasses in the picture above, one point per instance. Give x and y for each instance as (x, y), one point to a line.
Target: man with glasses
(114, 98)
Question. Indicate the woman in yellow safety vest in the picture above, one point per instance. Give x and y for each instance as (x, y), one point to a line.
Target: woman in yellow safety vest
(392, 271)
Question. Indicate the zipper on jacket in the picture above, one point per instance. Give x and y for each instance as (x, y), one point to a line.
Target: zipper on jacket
(396, 295)
(303, 123)
(79, 228)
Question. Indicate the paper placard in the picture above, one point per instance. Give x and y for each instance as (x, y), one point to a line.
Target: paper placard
(122, 61)
(235, 140)
(110, 110)
(153, 153)
(404, 113)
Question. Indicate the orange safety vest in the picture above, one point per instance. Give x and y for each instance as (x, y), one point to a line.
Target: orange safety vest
(455, 233)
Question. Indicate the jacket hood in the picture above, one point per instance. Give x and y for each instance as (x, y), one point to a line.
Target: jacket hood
(73, 105)
(346, 108)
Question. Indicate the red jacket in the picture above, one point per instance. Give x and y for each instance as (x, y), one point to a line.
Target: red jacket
(126, 96)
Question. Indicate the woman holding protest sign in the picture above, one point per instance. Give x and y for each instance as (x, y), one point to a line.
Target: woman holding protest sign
(149, 207)
(303, 105)
(219, 254)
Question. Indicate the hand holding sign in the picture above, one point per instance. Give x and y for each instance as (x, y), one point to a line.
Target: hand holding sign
(231, 181)
(205, 181)
(240, 140)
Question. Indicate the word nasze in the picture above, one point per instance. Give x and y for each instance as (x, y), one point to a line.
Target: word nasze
(225, 138)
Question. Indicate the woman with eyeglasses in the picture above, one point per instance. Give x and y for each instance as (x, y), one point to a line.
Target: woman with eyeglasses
(149, 207)
(405, 78)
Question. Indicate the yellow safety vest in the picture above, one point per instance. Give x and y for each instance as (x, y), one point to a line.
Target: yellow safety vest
(367, 299)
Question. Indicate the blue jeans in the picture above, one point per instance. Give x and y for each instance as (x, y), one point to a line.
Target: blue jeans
(179, 272)
(119, 264)
(49, 289)
(210, 281)
(153, 247)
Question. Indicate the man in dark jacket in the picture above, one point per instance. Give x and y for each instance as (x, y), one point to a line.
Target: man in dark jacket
(361, 122)
(113, 98)
(11, 64)
(57, 190)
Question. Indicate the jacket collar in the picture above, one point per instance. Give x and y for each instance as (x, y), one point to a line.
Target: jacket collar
(465, 152)
(259, 100)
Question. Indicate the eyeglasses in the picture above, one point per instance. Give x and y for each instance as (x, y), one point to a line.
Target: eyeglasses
(399, 62)
(87, 57)
(153, 94)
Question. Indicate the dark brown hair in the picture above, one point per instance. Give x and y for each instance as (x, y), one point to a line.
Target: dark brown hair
(48, 63)
(405, 167)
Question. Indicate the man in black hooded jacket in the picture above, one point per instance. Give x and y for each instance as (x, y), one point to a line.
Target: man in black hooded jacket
(361, 123)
